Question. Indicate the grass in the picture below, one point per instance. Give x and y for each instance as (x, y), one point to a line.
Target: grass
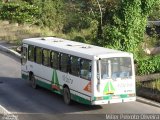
(13, 33)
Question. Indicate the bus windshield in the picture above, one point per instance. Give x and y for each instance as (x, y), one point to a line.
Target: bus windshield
(116, 67)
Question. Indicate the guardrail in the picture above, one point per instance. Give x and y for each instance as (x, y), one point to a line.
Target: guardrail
(150, 77)
(151, 23)
(5, 49)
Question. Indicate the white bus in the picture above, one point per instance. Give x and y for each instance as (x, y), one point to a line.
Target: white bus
(84, 73)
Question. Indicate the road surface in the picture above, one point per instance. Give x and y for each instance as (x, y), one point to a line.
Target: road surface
(29, 104)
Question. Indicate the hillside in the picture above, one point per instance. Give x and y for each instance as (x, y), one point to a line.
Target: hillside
(14, 33)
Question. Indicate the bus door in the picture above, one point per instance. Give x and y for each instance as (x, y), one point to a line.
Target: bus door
(24, 55)
(24, 58)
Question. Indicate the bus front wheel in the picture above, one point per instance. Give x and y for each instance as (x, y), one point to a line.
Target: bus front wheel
(66, 95)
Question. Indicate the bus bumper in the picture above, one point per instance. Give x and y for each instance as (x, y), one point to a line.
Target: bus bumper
(101, 102)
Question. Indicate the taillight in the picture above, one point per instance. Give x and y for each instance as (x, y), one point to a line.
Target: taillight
(99, 98)
(132, 95)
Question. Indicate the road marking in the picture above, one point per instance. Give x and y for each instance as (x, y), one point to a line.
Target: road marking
(6, 115)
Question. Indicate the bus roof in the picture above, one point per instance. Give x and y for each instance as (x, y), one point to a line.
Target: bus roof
(72, 47)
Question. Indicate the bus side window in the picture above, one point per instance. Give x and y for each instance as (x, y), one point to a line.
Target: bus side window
(69, 64)
(85, 69)
(75, 66)
(46, 57)
(38, 54)
(64, 62)
(31, 53)
(55, 60)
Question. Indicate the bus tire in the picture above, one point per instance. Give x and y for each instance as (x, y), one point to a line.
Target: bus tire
(66, 95)
(33, 82)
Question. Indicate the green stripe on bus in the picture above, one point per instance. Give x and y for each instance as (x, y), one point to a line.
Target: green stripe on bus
(80, 99)
(109, 97)
(124, 95)
(43, 84)
(47, 86)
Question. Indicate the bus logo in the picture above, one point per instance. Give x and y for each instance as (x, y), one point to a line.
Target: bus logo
(109, 88)
(55, 82)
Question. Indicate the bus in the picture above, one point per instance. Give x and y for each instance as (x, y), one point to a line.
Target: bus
(79, 72)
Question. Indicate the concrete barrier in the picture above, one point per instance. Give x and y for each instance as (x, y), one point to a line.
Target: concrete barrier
(5, 49)
(6, 115)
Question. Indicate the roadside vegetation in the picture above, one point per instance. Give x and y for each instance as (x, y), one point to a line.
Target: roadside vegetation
(117, 24)
(13, 32)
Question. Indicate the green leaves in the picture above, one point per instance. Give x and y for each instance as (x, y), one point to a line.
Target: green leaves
(149, 65)
(21, 13)
(155, 14)
(45, 13)
(124, 24)
(122, 27)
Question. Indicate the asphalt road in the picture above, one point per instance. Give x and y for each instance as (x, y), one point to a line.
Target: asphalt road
(29, 104)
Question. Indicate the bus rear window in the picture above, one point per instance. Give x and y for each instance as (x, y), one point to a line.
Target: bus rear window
(117, 67)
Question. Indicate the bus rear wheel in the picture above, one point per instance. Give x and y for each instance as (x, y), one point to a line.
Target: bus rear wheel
(66, 96)
(33, 82)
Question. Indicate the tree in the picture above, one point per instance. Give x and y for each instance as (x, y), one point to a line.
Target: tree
(155, 15)
(124, 24)
(51, 13)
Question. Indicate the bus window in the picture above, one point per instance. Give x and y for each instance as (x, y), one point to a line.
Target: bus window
(69, 64)
(31, 53)
(38, 52)
(116, 67)
(75, 66)
(24, 55)
(55, 60)
(64, 62)
(46, 57)
(85, 69)
(104, 69)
